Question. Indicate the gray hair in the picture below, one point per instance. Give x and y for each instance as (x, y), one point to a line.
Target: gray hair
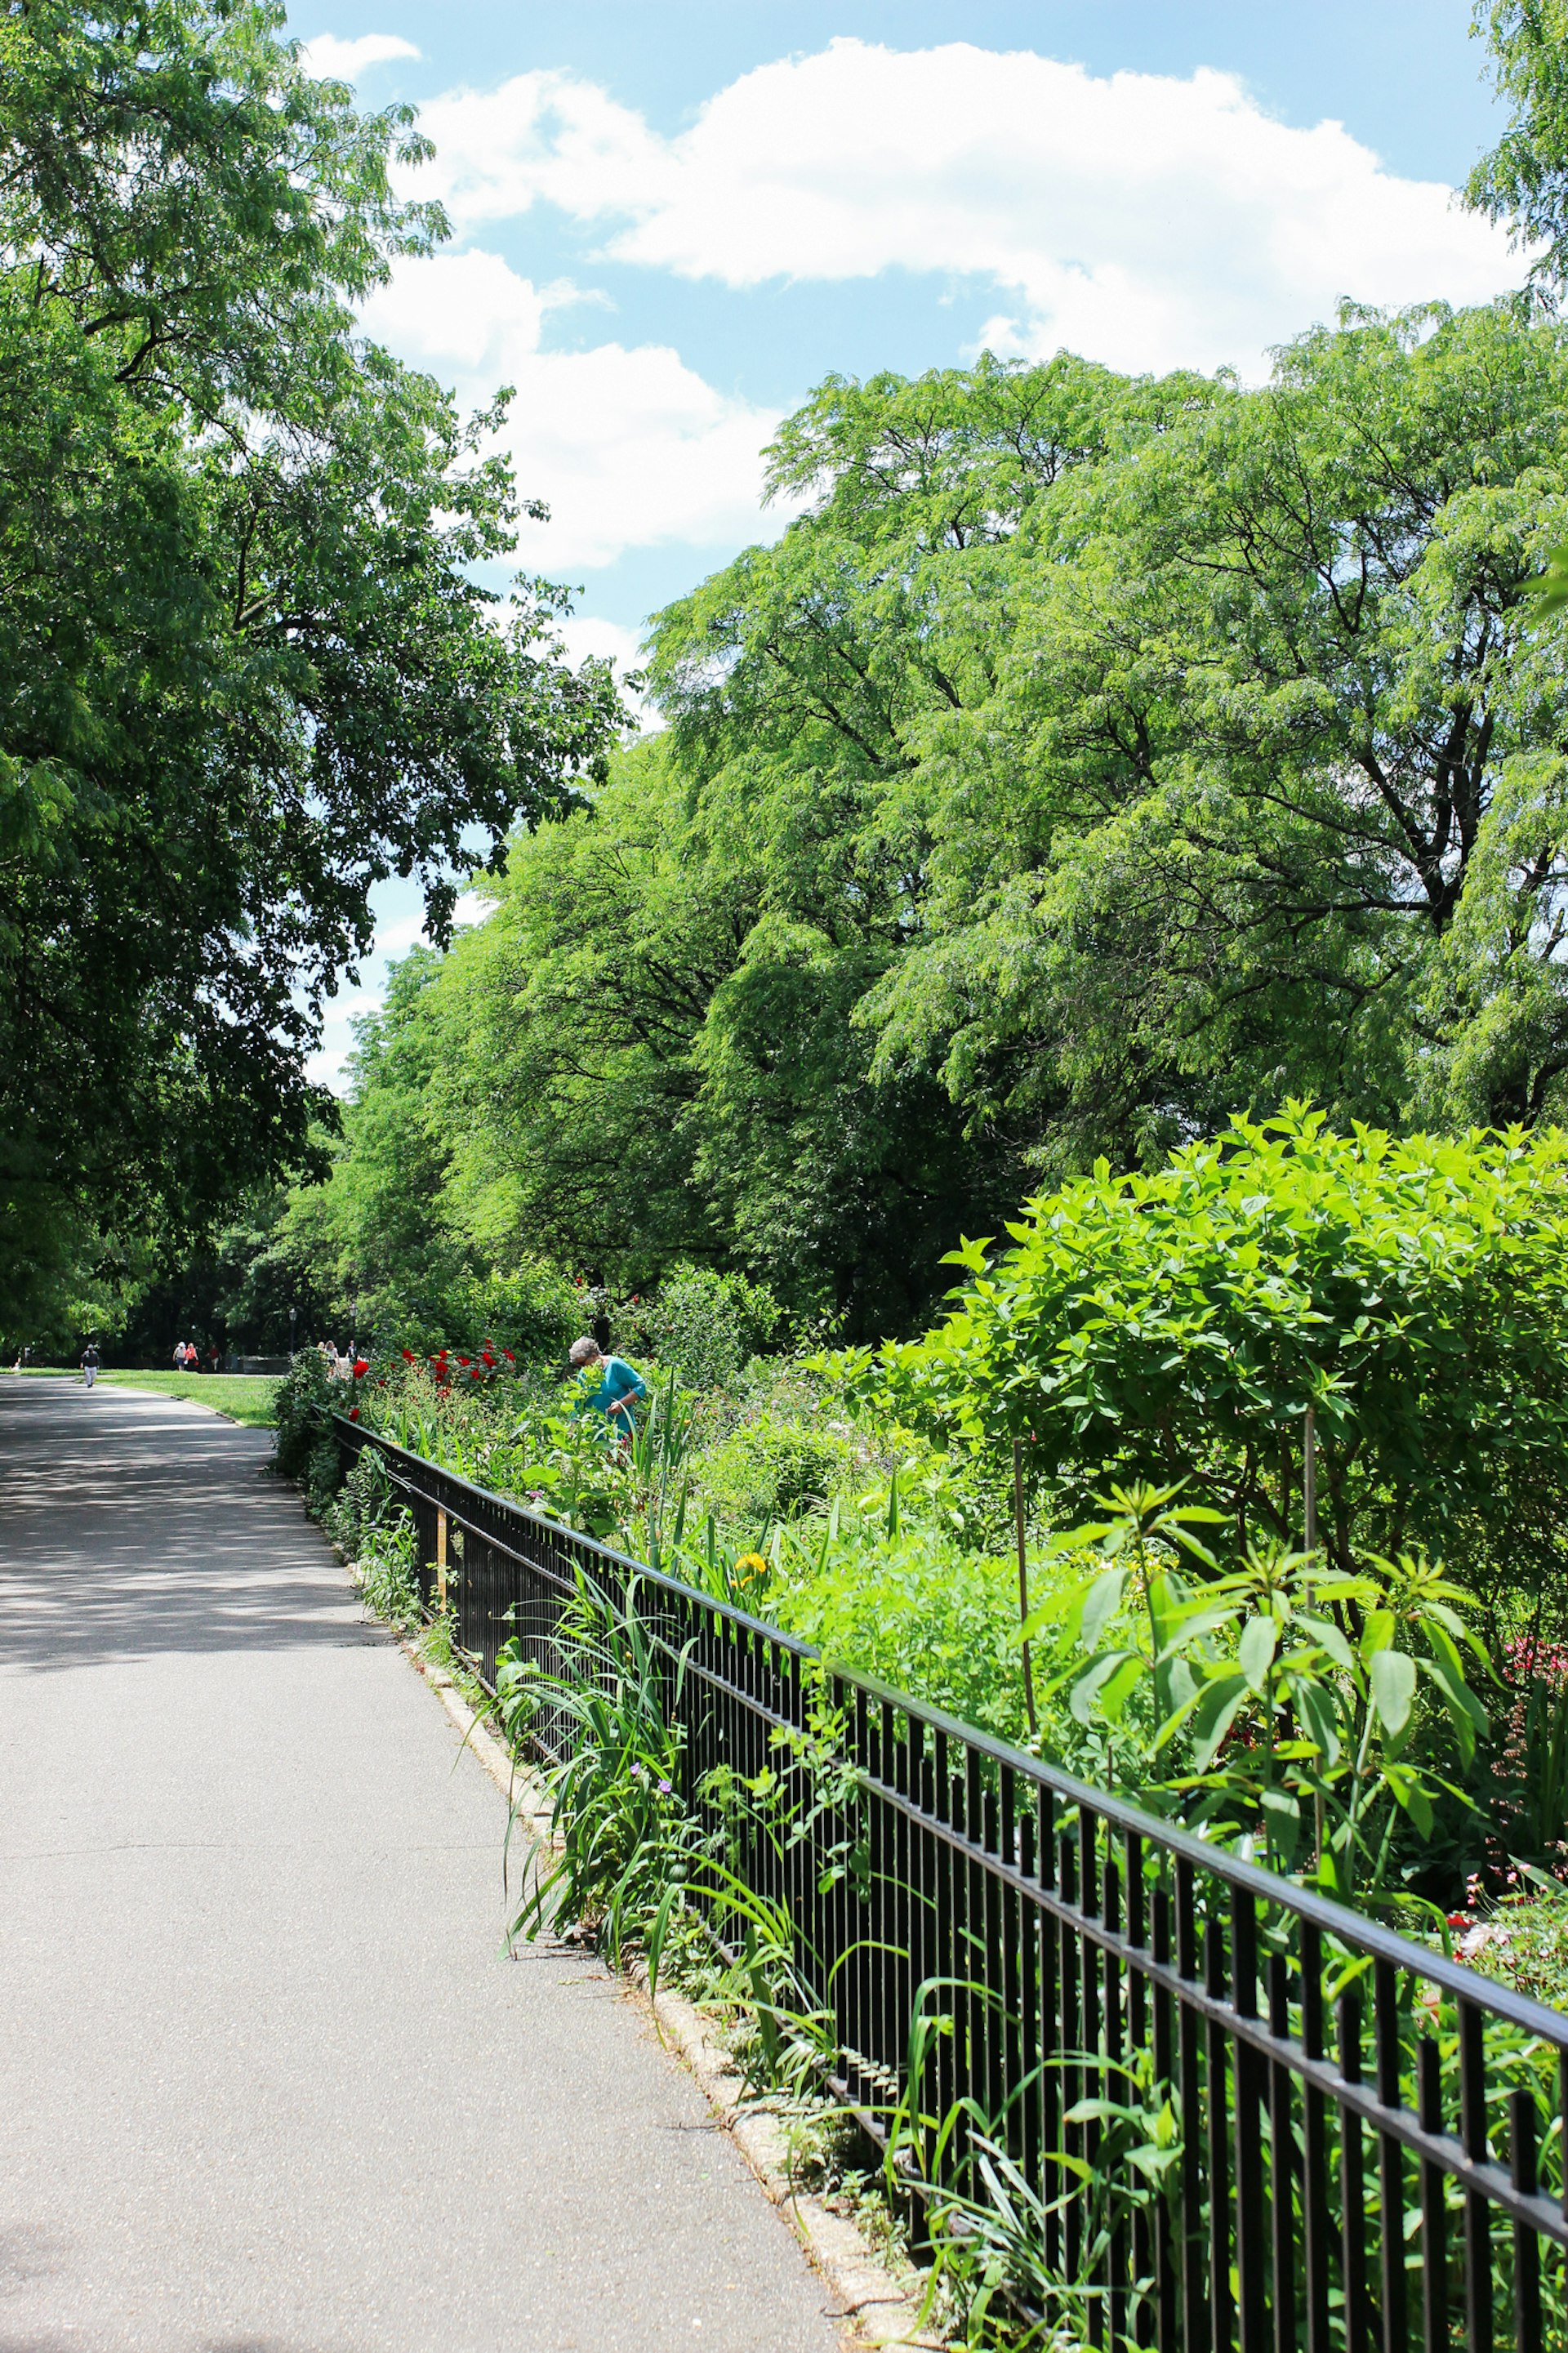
(582, 1350)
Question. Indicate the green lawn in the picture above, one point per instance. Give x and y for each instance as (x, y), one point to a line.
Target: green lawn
(241, 1397)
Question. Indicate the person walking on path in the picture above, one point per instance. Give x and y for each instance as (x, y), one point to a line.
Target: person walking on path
(90, 1362)
(615, 1392)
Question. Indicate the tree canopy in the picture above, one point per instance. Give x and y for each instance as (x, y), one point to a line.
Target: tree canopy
(1523, 180)
(245, 670)
(1092, 759)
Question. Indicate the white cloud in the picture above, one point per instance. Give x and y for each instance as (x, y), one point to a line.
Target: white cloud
(328, 59)
(627, 445)
(1140, 218)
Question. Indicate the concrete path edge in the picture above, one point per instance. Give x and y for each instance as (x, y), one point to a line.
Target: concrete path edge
(883, 2306)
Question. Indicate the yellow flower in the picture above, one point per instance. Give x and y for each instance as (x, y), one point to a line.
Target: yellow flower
(750, 1567)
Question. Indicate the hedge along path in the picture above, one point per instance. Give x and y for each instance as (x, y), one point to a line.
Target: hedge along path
(267, 2078)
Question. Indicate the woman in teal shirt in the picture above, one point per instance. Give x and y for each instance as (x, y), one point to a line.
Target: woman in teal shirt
(616, 1393)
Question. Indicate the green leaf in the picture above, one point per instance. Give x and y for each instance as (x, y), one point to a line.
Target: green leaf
(1318, 1717)
(1259, 1640)
(1086, 1687)
(1412, 1794)
(1377, 1634)
(1101, 1604)
(1328, 1637)
(1216, 1710)
(1282, 1814)
(1393, 1676)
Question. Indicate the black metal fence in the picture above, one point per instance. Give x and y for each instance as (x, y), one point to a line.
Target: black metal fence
(1223, 2111)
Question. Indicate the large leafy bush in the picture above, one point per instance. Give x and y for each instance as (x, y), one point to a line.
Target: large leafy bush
(1177, 1327)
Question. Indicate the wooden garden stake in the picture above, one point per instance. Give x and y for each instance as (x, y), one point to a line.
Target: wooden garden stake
(440, 1558)
(1024, 1584)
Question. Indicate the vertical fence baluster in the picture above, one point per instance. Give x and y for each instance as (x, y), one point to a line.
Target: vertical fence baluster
(1390, 2158)
(1095, 2082)
(1071, 2044)
(1282, 2160)
(941, 1996)
(1167, 2309)
(1197, 2329)
(1031, 2148)
(1009, 2036)
(1477, 2214)
(1141, 2252)
(1434, 2203)
(1251, 2202)
(994, 2009)
(1119, 2253)
(1352, 2184)
(1317, 2223)
(1522, 2129)
(1050, 2035)
(1221, 2302)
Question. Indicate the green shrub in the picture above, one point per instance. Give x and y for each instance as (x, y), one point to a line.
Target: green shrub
(305, 1448)
(702, 1324)
(768, 1468)
(1176, 1327)
(915, 1611)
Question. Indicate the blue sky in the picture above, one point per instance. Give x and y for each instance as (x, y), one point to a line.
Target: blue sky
(672, 220)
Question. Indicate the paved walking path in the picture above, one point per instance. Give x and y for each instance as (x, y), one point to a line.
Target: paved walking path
(266, 2083)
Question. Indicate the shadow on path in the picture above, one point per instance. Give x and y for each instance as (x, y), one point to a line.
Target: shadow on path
(130, 1527)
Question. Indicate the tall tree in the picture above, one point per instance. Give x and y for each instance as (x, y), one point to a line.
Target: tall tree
(245, 669)
(1523, 180)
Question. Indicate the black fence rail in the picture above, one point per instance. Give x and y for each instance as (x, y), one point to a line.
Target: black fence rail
(1201, 2107)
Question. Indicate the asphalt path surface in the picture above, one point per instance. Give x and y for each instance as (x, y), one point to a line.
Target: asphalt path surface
(268, 2084)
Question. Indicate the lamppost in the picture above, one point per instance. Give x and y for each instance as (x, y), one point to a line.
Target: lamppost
(293, 1319)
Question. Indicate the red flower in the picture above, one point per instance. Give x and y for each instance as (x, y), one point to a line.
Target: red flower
(1459, 1919)
(488, 1359)
(362, 1366)
(508, 1354)
(464, 1360)
(354, 1415)
(409, 1358)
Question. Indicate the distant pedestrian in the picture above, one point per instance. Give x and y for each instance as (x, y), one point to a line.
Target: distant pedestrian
(179, 1355)
(614, 1394)
(90, 1362)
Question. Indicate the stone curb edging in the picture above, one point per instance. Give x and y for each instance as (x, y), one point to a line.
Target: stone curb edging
(882, 2310)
